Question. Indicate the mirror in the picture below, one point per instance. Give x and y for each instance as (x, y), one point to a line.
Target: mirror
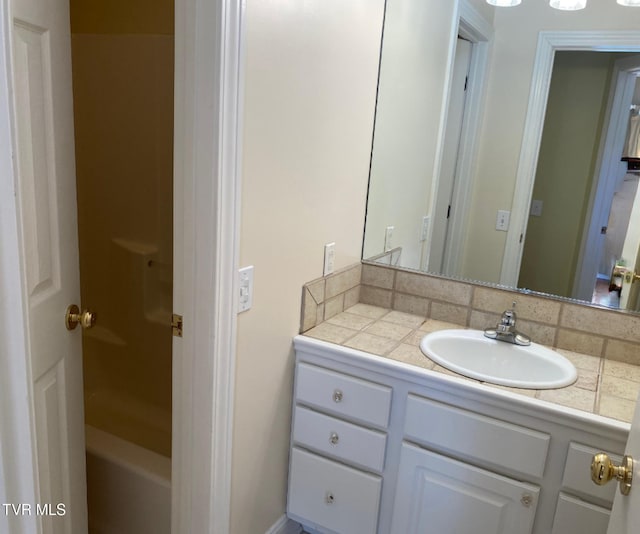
(452, 184)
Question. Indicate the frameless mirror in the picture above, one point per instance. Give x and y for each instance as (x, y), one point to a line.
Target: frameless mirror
(498, 145)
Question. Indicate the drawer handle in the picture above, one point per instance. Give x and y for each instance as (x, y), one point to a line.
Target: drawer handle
(329, 498)
(334, 438)
(337, 395)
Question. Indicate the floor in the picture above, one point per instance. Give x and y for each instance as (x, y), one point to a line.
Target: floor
(603, 297)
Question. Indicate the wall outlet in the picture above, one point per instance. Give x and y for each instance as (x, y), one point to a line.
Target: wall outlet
(245, 277)
(502, 221)
(424, 231)
(388, 238)
(536, 208)
(329, 258)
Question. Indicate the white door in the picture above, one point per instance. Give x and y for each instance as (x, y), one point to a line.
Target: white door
(455, 115)
(44, 147)
(625, 514)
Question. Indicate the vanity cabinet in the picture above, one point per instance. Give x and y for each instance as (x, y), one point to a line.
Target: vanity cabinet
(338, 450)
(382, 447)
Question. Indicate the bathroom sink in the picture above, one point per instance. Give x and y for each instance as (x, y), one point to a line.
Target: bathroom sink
(470, 353)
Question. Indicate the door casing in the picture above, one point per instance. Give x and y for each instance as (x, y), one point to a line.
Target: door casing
(208, 85)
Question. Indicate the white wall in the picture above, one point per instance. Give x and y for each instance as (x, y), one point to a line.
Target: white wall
(516, 36)
(311, 69)
(416, 59)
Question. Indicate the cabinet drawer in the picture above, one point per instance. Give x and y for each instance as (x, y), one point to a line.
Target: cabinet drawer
(577, 474)
(514, 448)
(343, 395)
(574, 515)
(330, 495)
(338, 438)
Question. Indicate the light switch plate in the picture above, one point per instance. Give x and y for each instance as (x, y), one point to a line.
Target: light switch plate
(536, 208)
(502, 221)
(245, 285)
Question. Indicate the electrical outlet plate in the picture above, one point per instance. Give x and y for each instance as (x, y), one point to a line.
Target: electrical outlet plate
(245, 277)
(388, 238)
(329, 258)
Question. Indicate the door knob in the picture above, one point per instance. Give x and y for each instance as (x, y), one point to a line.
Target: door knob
(603, 470)
(73, 317)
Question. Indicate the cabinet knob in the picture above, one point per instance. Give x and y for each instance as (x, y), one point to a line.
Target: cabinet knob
(527, 499)
(603, 470)
(337, 395)
(334, 438)
(329, 498)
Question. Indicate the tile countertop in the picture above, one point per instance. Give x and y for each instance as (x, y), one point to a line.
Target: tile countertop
(604, 387)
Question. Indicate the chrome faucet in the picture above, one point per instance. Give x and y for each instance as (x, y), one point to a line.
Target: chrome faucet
(506, 329)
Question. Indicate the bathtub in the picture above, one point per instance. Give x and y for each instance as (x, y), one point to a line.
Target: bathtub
(128, 487)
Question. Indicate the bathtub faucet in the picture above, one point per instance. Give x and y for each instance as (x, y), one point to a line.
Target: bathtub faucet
(506, 329)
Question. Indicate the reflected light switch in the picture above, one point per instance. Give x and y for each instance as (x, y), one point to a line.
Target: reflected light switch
(536, 208)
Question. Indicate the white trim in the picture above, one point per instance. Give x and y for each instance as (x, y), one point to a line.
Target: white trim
(208, 118)
(475, 28)
(284, 525)
(548, 43)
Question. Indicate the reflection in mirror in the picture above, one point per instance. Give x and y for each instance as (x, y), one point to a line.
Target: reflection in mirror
(472, 179)
(577, 121)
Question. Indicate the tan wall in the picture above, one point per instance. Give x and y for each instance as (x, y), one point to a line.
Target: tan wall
(122, 16)
(310, 79)
(123, 106)
(570, 141)
(510, 74)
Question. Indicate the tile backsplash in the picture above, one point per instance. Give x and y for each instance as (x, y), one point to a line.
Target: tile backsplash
(556, 323)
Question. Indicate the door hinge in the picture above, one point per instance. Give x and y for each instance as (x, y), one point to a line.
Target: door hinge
(176, 325)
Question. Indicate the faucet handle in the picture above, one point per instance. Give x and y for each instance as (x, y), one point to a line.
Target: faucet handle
(509, 316)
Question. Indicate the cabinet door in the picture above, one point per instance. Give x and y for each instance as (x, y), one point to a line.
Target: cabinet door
(438, 495)
(574, 516)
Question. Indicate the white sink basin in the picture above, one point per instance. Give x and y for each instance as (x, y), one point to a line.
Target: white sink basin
(470, 353)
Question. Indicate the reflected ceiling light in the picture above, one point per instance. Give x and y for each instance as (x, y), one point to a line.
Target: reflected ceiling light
(504, 3)
(629, 3)
(568, 5)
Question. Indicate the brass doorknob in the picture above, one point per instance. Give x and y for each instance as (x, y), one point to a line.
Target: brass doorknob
(603, 470)
(73, 317)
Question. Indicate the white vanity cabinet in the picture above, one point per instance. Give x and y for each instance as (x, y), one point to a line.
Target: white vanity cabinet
(382, 447)
(338, 450)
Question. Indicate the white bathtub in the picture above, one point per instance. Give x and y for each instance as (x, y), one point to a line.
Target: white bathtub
(129, 487)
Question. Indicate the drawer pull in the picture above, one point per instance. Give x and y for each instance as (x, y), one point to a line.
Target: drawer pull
(526, 500)
(334, 438)
(329, 498)
(337, 395)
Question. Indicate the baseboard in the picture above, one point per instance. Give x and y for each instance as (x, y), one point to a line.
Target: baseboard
(284, 525)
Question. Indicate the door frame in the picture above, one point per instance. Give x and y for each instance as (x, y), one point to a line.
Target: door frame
(207, 161)
(208, 115)
(472, 26)
(548, 43)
